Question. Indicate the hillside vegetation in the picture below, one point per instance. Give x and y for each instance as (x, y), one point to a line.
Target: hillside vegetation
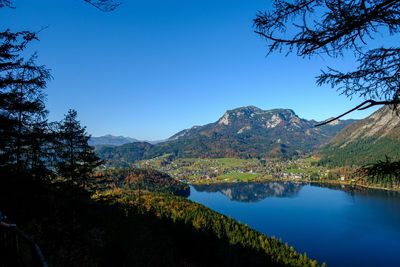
(142, 179)
(247, 132)
(207, 169)
(142, 227)
(135, 223)
(258, 249)
(361, 152)
(366, 141)
(111, 140)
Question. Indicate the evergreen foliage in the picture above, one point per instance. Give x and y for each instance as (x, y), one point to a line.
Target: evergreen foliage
(143, 179)
(22, 108)
(112, 230)
(75, 158)
(271, 251)
(385, 172)
(360, 152)
(29, 147)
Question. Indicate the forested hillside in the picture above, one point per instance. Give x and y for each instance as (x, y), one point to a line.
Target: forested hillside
(142, 227)
(367, 141)
(111, 140)
(247, 132)
(142, 179)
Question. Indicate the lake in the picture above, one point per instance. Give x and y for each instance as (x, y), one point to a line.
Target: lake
(338, 225)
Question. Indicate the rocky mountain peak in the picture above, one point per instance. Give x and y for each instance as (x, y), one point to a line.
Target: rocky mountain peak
(246, 110)
(256, 116)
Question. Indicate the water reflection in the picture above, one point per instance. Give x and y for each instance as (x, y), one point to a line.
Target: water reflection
(252, 192)
(335, 224)
(354, 190)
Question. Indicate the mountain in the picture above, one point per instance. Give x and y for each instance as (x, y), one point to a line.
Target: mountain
(252, 132)
(366, 141)
(243, 133)
(110, 140)
(123, 155)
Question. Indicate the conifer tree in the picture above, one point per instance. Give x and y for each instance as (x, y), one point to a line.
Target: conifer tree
(21, 100)
(39, 155)
(25, 107)
(76, 160)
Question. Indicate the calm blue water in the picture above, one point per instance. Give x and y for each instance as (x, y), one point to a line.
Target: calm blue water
(339, 226)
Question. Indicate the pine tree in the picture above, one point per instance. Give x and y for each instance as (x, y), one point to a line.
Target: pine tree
(39, 152)
(21, 101)
(76, 160)
(25, 106)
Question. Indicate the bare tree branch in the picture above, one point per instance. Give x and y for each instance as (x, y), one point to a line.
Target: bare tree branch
(362, 106)
(340, 26)
(6, 3)
(104, 5)
(310, 27)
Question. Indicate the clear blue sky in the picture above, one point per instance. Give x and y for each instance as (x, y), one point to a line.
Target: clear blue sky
(152, 68)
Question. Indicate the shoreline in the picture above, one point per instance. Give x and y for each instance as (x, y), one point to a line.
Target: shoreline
(332, 182)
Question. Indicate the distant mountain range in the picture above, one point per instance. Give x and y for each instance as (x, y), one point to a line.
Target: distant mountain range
(366, 141)
(243, 132)
(111, 140)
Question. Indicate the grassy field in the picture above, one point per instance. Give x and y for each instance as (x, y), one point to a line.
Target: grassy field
(208, 169)
(295, 170)
(213, 170)
(238, 177)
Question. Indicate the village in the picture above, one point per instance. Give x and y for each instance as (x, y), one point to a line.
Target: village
(219, 170)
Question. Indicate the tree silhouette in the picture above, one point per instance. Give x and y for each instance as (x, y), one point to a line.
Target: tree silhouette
(22, 106)
(103, 5)
(25, 138)
(76, 160)
(384, 169)
(330, 27)
(39, 155)
(5, 3)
